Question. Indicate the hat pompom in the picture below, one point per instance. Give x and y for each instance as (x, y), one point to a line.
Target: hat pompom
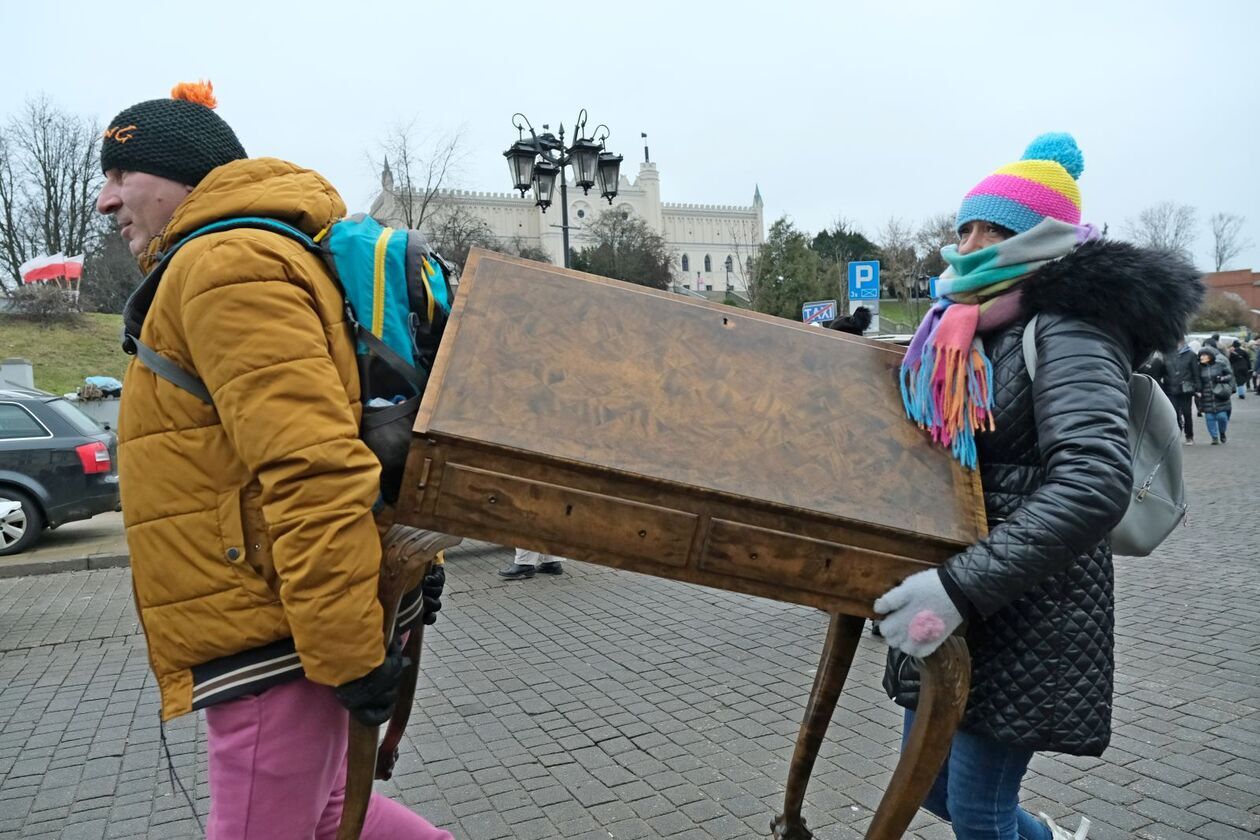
(1059, 147)
(201, 93)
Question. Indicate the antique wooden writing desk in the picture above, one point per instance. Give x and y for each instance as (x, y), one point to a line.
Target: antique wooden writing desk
(674, 437)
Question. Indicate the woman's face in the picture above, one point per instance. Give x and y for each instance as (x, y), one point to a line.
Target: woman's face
(1205, 359)
(976, 235)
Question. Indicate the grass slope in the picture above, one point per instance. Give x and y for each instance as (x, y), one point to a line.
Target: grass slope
(63, 355)
(897, 316)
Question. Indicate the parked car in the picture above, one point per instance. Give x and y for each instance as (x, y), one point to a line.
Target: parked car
(57, 465)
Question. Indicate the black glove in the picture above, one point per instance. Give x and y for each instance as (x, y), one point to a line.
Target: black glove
(371, 697)
(431, 591)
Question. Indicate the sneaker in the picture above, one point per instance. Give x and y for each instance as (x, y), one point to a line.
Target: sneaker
(1190, 442)
(552, 567)
(1058, 832)
(517, 571)
(1214, 443)
(1222, 437)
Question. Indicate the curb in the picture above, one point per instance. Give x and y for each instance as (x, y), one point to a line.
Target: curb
(72, 564)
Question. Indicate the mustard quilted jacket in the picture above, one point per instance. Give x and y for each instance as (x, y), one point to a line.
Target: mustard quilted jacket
(250, 521)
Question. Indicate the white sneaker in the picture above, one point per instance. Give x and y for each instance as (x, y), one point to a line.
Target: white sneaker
(1058, 832)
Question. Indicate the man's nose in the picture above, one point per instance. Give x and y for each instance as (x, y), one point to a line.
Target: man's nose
(108, 201)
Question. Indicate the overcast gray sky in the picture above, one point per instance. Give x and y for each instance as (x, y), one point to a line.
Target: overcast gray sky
(834, 108)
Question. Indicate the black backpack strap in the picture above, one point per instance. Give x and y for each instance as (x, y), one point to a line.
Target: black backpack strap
(415, 377)
(170, 371)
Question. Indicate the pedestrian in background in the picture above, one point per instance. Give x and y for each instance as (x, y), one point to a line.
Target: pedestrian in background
(528, 563)
(255, 557)
(1240, 364)
(1156, 368)
(1054, 461)
(1182, 378)
(1255, 370)
(1216, 386)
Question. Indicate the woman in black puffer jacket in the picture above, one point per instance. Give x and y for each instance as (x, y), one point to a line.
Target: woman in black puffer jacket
(1216, 386)
(1053, 456)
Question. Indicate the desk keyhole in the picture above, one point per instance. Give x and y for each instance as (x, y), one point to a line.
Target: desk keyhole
(568, 510)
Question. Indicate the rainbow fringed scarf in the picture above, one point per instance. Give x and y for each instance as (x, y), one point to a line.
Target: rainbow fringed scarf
(946, 378)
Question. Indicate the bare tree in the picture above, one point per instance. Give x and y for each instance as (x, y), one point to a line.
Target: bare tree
(112, 274)
(1227, 239)
(453, 230)
(520, 247)
(899, 262)
(414, 169)
(1167, 226)
(743, 237)
(49, 178)
(935, 233)
(16, 242)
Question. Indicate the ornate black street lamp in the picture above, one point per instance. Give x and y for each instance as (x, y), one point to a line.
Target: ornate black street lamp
(535, 163)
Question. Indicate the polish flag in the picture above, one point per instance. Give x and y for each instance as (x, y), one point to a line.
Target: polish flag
(42, 268)
(74, 267)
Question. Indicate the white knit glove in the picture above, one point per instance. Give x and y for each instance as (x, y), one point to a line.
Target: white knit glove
(918, 615)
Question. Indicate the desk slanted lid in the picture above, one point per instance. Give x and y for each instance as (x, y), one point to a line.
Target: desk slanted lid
(583, 369)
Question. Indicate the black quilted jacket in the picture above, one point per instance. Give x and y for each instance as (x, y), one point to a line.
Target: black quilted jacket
(1037, 592)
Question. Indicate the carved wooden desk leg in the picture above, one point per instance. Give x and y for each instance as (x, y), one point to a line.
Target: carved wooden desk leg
(833, 667)
(942, 700)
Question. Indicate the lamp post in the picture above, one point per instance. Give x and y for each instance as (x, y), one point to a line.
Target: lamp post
(535, 163)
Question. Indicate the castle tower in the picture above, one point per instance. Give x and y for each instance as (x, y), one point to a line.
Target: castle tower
(650, 182)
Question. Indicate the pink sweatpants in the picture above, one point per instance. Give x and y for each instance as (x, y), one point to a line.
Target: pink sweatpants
(278, 771)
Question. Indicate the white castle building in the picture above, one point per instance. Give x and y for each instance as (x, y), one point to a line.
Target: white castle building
(713, 245)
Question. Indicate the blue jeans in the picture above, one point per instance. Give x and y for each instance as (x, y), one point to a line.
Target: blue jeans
(1217, 422)
(977, 790)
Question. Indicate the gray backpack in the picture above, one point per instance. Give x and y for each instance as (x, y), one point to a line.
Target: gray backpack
(1158, 502)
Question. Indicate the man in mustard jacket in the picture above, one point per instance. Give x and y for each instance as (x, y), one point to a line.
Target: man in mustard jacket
(254, 553)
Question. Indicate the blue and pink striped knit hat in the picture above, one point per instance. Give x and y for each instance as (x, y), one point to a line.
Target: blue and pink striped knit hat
(1042, 184)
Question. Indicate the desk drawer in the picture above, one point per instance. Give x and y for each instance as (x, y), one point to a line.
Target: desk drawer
(771, 556)
(564, 515)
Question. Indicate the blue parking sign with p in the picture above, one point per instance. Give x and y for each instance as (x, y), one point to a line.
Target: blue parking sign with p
(864, 280)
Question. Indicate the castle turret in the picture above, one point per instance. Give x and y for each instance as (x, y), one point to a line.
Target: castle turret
(758, 206)
(650, 182)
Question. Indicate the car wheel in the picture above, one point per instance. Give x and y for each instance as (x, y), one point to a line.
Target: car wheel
(20, 526)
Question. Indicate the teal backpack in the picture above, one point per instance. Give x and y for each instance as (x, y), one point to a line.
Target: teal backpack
(397, 298)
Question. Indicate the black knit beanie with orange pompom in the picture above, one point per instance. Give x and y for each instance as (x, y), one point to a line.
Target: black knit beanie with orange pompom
(180, 138)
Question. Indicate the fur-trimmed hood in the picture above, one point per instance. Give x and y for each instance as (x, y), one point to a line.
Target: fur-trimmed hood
(1139, 294)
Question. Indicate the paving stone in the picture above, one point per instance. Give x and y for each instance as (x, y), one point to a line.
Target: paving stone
(604, 704)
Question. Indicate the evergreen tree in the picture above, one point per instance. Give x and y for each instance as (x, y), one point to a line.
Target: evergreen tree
(625, 249)
(789, 272)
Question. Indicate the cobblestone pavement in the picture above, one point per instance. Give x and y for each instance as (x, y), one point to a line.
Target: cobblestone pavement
(602, 704)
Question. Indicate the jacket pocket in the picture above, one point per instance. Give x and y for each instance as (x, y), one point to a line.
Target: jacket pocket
(235, 548)
(258, 547)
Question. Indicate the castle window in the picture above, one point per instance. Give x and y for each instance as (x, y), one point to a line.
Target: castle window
(686, 263)
(748, 265)
(708, 263)
(730, 264)
(581, 214)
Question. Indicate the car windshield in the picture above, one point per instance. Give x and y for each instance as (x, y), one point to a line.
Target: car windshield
(83, 424)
